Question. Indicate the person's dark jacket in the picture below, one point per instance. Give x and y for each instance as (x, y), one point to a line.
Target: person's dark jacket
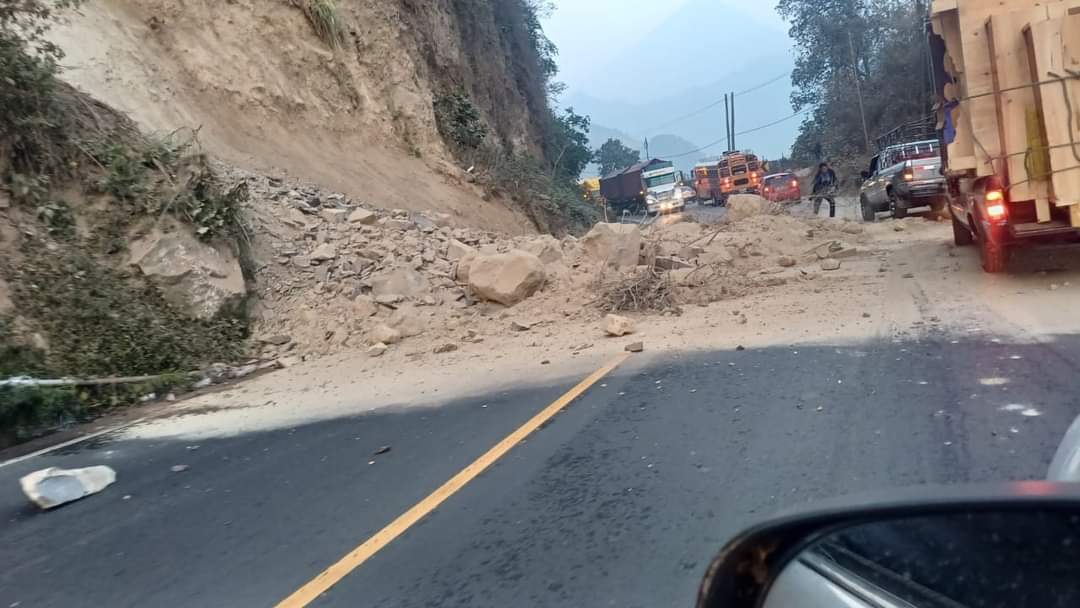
(824, 180)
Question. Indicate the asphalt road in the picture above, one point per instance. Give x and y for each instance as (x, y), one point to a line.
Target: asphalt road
(620, 500)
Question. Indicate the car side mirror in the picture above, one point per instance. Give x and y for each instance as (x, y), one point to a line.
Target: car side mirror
(1002, 545)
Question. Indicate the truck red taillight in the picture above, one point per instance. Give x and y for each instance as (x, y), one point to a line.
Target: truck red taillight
(995, 205)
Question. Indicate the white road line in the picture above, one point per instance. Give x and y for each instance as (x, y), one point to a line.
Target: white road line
(68, 443)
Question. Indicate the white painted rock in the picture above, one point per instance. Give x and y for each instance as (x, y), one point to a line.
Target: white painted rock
(507, 278)
(54, 486)
(617, 245)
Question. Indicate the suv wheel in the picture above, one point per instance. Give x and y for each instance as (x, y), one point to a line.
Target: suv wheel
(898, 212)
(868, 213)
(961, 235)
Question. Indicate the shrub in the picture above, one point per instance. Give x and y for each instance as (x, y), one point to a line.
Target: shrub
(323, 16)
(458, 121)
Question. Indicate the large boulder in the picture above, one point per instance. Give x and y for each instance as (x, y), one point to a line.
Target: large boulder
(191, 274)
(742, 206)
(506, 278)
(617, 245)
(546, 247)
(401, 281)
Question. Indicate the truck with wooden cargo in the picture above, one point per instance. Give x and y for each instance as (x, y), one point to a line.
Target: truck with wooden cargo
(650, 186)
(1007, 80)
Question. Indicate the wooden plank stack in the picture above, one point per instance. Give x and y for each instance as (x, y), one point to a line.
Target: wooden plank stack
(1016, 95)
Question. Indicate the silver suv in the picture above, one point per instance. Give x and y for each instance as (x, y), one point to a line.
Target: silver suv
(903, 177)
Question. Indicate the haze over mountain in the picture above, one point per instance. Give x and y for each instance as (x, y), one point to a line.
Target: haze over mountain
(706, 48)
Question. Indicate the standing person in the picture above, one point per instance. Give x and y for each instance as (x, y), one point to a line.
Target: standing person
(825, 184)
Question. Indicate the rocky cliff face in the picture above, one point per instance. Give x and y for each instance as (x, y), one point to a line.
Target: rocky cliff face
(357, 116)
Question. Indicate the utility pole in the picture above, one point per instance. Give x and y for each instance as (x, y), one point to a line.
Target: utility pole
(858, 91)
(647, 157)
(732, 140)
(727, 123)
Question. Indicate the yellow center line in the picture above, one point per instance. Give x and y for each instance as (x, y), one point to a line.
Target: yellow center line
(355, 558)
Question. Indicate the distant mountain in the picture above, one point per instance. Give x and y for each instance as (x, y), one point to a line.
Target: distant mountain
(681, 67)
(674, 148)
(598, 134)
(661, 146)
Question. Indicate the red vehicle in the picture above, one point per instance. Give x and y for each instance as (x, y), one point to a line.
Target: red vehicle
(782, 188)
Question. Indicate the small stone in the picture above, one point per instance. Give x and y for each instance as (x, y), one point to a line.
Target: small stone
(377, 350)
(323, 252)
(383, 450)
(787, 261)
(866, 315)
(287, 362)
(618, 326)
(830, 264)
(278, 340)
(545, 362)
(334, 216)
(301, 261)
(520, 326)
(853, 229)
(635, 347)
(362, 217)
(899, 228)
(179, 468)
(384, 334)
(742, 320)
(820, 408)
(445, 348)
(908, 275)
(740, 348)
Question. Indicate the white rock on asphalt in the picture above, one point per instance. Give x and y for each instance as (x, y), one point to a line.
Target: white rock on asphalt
(507, 278)
(617, 245)
(54, 486)
(618, 326)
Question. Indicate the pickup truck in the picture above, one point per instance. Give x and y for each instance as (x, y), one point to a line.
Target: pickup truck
(903, 177)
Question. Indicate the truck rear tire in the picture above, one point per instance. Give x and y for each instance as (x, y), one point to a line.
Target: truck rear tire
(994, 256)
(961, 235)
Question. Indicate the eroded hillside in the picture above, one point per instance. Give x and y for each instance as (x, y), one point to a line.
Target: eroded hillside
(355, 114)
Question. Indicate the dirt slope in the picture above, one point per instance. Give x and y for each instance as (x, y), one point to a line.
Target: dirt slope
(271, 96)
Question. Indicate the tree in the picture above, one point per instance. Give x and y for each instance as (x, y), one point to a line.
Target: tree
(614, 156)
(882, 44)
(567, 145)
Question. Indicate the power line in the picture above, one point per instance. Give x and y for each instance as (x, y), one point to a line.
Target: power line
(746, 132)
(718, 102)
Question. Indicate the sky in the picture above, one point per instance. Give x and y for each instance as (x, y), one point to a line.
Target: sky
(634, 65)
(591, 34)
